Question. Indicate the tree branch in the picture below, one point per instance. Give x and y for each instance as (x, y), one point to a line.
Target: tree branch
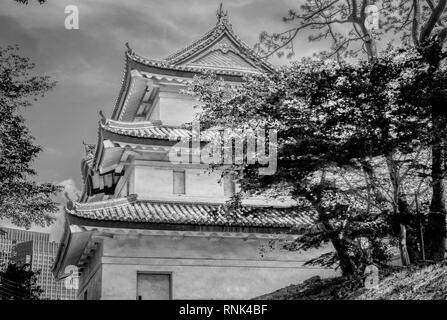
(415, 23)
(432, 21)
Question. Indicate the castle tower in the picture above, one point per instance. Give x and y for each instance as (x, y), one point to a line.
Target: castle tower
(147, 228)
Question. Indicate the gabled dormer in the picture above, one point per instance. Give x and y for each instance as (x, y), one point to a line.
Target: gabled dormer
(220, 49)
(151, 87)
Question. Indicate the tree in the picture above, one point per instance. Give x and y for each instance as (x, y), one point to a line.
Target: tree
(294, 101)
(387, 132)
(22, 200)
(27, 1)
(352, 145)
(19, 283)
(414, 21)
(420, 24)
(428, 91)
(324, 17)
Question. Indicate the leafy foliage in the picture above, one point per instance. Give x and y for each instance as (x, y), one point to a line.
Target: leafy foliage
(19, 283)
(418, 24)
(27, 1)
(22, 200)
(352, 146)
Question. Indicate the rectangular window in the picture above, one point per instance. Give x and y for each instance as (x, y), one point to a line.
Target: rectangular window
(229, 185)
(179, 182)
(152, 286)
(128, 187)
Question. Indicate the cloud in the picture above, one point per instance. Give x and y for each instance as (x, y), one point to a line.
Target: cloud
(70, 189)
(88, 63)
(57, 228)
(52, 151)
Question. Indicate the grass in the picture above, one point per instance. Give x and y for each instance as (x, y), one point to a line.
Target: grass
(421, 282)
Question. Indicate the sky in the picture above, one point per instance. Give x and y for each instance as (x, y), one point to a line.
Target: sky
(88, 63)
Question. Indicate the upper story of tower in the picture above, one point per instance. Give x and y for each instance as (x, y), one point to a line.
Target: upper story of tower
(131, 155)
(151, 88)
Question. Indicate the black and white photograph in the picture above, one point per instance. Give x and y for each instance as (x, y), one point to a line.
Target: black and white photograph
(246, 152)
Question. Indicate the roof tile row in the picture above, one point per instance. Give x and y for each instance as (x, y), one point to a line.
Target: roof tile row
(131, 210)
(149, 130)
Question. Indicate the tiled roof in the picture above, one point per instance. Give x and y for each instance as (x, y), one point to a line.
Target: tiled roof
(229, 60)
(223, 26)
(178, 60)
(179, 64)
(163, 64)
(90, 150)
(207, 38)
(152, 130)
(129, 209)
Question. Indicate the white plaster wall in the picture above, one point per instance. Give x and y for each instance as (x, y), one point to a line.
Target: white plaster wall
(202, 268)
(91, 277)
(153, 181)
(155, 114)
(176, 108)
(94, 286)
(158, 181)
(203, 183)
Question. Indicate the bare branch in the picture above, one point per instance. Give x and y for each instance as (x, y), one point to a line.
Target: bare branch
(430, 4)
(293, 33)
(443, 34)
(432, 21)
(321, 10)
(415, 23)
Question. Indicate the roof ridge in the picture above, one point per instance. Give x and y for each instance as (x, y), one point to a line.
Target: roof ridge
(145, 129)
(133, 124)
(165, 64)
(109, 203)
(166, 212)
(167, 201)
(194, 43)
(222, 25)
(133, 198)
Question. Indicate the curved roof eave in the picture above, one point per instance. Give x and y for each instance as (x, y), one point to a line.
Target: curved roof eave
(223, 27)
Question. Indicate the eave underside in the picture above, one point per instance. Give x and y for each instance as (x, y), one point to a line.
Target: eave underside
(74, 220)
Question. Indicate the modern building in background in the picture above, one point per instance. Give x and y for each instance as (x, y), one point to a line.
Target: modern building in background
(34, 248)
(10, 237)
(23, 253)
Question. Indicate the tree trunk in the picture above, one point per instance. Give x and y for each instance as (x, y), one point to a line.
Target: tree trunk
(408, 234)
(347, 266)
(405, 257)
(436, 229)
(420, 228)
(400, 208)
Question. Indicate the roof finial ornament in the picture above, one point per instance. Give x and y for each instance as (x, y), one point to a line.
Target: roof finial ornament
(102, 115)
(221, 15)
(129, 49)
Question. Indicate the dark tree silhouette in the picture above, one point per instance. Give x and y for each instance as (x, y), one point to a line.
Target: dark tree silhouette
(27, 1)
(420, 24)
(22, 200)
(19, 283)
